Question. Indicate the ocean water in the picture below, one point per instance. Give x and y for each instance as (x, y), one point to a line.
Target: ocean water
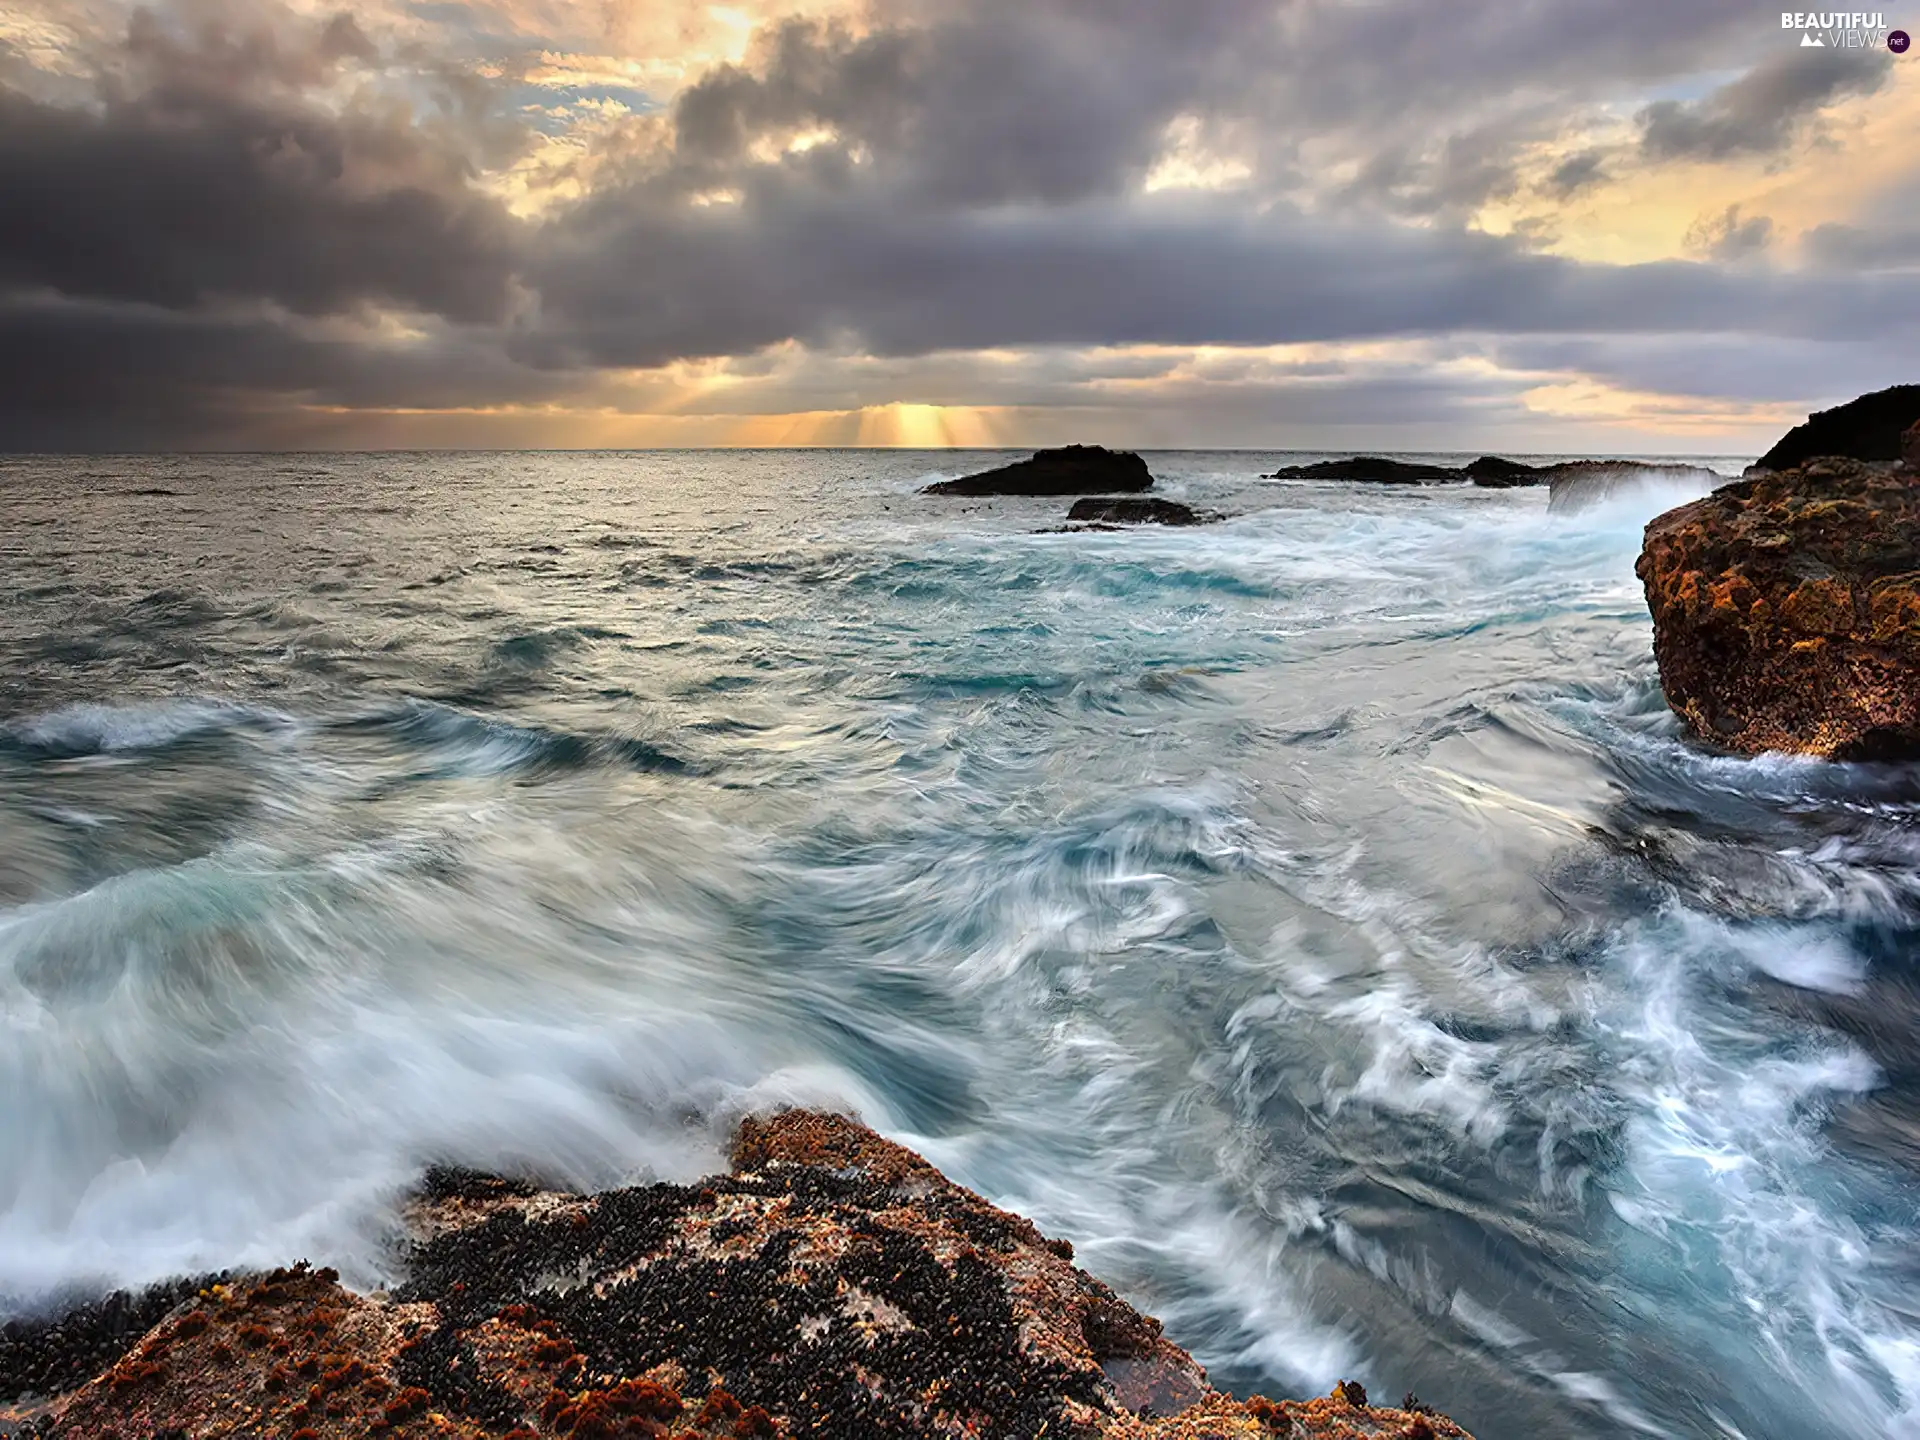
(1317, 917)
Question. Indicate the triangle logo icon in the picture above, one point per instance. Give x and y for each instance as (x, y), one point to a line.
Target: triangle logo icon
(1807, 41)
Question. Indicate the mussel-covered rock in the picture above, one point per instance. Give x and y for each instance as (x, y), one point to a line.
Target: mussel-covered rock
(833, 1285)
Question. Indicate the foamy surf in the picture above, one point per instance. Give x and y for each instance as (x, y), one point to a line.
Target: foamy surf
(1315, 917)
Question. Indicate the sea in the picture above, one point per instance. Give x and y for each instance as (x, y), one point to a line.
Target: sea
(1317, 917)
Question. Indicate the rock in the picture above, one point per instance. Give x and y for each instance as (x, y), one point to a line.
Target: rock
(1786, 612)
(833, 1285)
(1134, 510)
(1495, 473)
(1868, 428)
(1580, 484)
(1369, 469)
(1073, 470)
(1910, 448)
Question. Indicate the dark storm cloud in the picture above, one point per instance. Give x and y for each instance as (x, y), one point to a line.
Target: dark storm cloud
(631, 279)
(992, 103)
(1763, 111)
(205, 170)
(1727, 367)
(979, 187)
(1458, 175)
(96, 375)
(204, 233)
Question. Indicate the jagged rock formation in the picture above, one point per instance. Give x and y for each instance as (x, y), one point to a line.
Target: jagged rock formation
(1494, 473)
(1370, 469)
(834, 1285)
(1868, 428)
(1072, 470)
(1786, 612)
(1575, 484)
(1135, 510)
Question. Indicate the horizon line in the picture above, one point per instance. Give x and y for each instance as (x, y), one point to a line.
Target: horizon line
(6, 455)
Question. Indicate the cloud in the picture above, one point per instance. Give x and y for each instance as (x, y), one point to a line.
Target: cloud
(225, 212)
(1576, 173)
(1766, 110)
(1854, 247)
(208, 168)
(100, 375)
(1727, 236)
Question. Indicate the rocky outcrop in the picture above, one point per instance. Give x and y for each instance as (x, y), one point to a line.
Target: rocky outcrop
(1910, 448)
(1369, 469)
(1786, 612)
(1072, 470)
(833, 1285)
(1136, 510)
(1868, 428)
(1494, 473)
(1575, 483)
(1581, 484)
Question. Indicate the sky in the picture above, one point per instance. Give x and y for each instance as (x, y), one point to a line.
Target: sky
(1519, 225)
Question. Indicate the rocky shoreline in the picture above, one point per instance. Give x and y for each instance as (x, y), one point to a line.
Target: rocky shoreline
(1786, 611)
(1786, 606)
(831, 1285)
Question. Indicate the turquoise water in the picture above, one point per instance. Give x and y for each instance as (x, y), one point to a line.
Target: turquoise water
(1317, 917)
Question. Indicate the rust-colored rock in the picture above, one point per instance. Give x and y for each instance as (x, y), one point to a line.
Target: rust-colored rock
(1786, 612)
(834, 1285)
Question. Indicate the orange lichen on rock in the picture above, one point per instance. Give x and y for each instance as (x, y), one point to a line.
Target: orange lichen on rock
(816, 1137)
(1786, 612)
(833, 1286)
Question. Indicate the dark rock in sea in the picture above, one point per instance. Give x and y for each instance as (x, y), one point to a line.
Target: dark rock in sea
(1494, 473)
(1134, 510)
(1579, 484)
(1073, 470)
(1369, 469)
(833, 1285)
(1868, 428)
(1786, 612)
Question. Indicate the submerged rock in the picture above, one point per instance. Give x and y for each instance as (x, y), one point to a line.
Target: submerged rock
(1072, 470)
(1868, 428)
(1369, 469)
(1579, 484)
(833, 1285)
(1135, 510)
(1786, 612)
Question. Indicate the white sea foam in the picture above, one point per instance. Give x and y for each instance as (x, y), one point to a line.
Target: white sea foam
(1316, 917)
